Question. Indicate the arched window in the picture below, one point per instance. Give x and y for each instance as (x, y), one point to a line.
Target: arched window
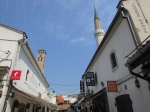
(113, 60)
(27, 74)
(41, 58)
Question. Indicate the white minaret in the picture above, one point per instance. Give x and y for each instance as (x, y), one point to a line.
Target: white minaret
(99, 32)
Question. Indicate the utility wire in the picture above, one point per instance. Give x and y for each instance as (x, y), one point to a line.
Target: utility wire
(70, 91)
(64, 84)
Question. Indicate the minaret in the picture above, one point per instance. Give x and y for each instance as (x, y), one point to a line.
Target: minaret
(99, 32)
(41, 59)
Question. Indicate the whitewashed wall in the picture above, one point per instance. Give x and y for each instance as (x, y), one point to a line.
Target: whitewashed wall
(34, 84)
(139, 13)
(20, 58)
(122, 44)
(8, 42)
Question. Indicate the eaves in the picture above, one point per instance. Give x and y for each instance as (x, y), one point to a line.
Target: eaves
(10, 28)
(30, 55)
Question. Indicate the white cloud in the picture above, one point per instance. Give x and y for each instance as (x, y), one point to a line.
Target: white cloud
(82, 41)
(78, 40)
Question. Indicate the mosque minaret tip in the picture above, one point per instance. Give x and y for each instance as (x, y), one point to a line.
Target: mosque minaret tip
(99, 32)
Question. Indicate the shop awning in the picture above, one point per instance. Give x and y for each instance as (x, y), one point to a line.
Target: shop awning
(94, 95)
(140, 59)
(3, 70)
(34, 98)
(99, 93)
(77, 105)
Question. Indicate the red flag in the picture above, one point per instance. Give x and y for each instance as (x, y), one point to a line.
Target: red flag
(15, 75)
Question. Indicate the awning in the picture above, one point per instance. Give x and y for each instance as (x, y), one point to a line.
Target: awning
(99, 93)
(77, 105)
(95, 95)
(140, 59)
(3, 70)
(33, 98)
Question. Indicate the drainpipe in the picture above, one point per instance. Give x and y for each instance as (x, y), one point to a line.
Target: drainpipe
(13, 66)
(135, 39)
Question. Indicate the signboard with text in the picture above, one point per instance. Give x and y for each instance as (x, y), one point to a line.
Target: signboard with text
(90, 79)
(15, 75)
(81, 86)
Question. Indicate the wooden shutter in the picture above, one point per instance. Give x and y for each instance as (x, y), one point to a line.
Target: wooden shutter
(124, 103)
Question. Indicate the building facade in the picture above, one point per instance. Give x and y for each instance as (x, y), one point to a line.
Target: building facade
(109, 86)
(24, 87)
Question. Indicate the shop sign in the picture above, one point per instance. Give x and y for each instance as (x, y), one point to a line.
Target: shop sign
(90, 79)
(15, 75)
(81, 86)
(112, 86)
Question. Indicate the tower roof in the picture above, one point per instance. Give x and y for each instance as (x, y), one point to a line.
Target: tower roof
(42, 50)
(95, 14)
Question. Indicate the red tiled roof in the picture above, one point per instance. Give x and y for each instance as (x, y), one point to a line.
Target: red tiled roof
(60, 99)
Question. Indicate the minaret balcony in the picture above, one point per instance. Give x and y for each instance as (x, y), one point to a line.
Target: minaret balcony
(99, 32)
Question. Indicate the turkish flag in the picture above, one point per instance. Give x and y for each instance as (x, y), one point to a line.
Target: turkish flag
(15, 75)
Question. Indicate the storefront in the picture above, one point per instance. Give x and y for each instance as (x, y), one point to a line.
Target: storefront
(21, 101)
(100, 102)
(96, 103)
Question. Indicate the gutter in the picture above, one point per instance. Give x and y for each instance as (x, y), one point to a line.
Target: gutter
(136, 40)
(37, 64)
(139, 54)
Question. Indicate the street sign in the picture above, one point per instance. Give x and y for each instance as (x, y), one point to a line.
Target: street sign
(90, 79)
(81, 86)
(15, 75)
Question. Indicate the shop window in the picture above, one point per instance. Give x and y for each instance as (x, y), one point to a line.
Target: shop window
(27, 106)
(43, 110)
(113, 60)
(15, 106)
(33, 108)
(21, 107)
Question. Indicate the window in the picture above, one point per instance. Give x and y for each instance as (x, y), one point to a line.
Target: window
(113, 60)
(27, 74)
(40, 58)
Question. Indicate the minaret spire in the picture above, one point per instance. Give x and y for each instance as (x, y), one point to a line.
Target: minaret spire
(95, 14)
(99, 32)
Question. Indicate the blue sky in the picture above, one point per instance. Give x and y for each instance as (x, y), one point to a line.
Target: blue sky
(65, 29)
